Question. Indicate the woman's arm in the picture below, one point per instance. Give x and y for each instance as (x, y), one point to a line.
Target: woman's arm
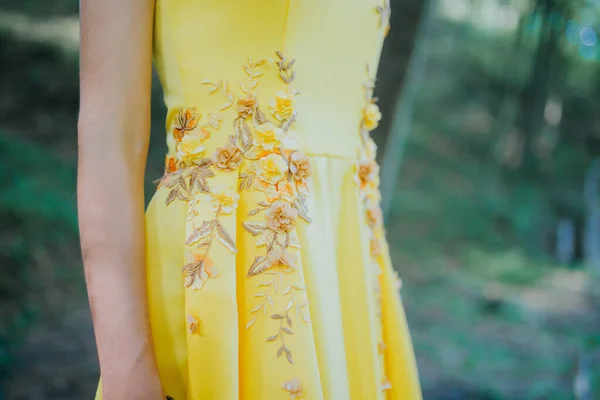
(114, 125)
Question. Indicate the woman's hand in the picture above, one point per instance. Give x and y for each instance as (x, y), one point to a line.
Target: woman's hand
(116, 53)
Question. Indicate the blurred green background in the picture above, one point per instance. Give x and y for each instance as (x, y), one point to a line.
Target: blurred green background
(491, 127)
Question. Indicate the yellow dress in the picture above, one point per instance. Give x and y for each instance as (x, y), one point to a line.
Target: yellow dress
(268, 272)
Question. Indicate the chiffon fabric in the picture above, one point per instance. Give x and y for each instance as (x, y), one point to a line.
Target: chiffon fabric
(268, 272)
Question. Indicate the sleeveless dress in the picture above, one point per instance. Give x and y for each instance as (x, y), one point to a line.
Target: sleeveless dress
(268, 272)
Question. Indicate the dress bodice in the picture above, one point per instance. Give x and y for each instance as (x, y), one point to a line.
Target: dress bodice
(207, 54)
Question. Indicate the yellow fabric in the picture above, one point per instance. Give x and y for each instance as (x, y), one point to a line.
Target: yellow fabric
(332, 294)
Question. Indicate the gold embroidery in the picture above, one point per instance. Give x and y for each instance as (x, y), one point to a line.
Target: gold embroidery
(274, 166)
(186, 178)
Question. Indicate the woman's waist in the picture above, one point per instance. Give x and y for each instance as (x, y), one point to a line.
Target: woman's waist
(193, 135)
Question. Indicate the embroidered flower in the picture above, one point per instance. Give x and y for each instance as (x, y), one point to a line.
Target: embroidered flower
(371, 116)
(246, 106)
(373, 213)
(367, 172)
(268, 136)
(282, 106)
(293, 387)
(281, 216)
(213, 120)
(185, 121)
(223, 199)
(282, 190)
(228, 157)
(299, 166)
(199, 271)
(190, 149)
(282, 257)
(271, 168)
(193, 324)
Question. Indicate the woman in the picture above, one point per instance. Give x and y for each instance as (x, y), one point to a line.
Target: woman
(260, 269)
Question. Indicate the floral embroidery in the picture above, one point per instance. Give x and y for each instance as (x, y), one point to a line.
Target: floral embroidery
(282, 107)
(186, 121)
(266, 148)
(293, 387)
(367, 179)
(385, 12)
(229, 157)
(222, 200)
(371, 116)
(276, 168)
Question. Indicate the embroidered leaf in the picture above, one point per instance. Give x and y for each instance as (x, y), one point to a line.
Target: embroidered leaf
(226, 105)
(259, 265)
(244, 134)
(255, 309)
(276, 316)
(290, 304)
(200, 233)
(173, 194)
(197, 180)
(255, 228)
(245, 182)
(224, 237)
(288, 124)
(271, 241)
(254, 212)
(171, 179)
(270, 301)
(272, 338)
(289, 320)
(299, 287)
(260, 294)
(287, 290)
(289, 357)
(191, 271)
(250, 323)
(300, 205)
(279, 351)
(287, 330)
(259, 117)
(181, 182)
(287, 66)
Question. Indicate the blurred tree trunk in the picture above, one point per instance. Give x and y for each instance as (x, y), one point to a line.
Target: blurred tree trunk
(535, 95)
(395, 58)
(402, 108)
